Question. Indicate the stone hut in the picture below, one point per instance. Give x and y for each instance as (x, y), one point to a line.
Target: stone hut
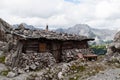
(41, 41)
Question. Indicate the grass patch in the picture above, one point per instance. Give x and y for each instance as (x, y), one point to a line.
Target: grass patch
(4, 73)
(77, 68)
(2, 59)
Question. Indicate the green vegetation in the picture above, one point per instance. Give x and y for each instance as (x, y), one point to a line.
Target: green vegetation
(2, 59)
(77, 68)
(99, 49)
(4, 73)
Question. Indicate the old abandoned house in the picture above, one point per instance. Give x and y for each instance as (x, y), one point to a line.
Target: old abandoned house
(62, 46)
(41, 41)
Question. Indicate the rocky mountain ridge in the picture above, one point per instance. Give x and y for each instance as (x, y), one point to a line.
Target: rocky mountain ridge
(25, 25)
(101, 35)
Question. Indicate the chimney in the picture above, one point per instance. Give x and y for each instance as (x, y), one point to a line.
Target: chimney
(46, 28)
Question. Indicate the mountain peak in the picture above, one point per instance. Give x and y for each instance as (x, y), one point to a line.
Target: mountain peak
(24, 26)
(21, 26)
(84, 29)
(82, 25)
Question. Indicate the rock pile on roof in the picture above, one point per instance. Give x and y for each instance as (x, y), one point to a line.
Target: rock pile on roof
(32, 34)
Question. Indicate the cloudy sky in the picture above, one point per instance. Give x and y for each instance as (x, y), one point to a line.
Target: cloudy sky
(66, 13)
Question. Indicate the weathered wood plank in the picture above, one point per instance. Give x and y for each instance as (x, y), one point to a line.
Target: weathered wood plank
(18, 52)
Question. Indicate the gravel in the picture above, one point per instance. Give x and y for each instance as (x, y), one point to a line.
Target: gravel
(3, 67)
(111, 74)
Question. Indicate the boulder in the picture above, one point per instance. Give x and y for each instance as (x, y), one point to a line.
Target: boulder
(60, 75)
(33, 66)
(1, 53)
(11, 74)
(113, 50)
(117, 37)
(21, 71)
(117, 45)
(3, 67)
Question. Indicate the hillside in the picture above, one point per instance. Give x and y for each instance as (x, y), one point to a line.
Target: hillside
(101, 35)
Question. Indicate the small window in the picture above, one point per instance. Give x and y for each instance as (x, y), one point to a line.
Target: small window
(42, 47)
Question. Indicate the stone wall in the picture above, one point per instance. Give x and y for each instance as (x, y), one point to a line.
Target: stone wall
(31, 61)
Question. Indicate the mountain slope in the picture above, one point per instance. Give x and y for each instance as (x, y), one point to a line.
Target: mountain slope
(4, 29)
(100, 35)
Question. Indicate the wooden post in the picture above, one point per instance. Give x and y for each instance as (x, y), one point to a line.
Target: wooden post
(18, 52)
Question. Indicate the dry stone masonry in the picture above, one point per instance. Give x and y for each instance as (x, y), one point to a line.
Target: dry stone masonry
(33, 61)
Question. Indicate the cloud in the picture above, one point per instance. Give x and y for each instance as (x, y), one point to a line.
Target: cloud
(31, 8)
(96, 13)
(107, 9)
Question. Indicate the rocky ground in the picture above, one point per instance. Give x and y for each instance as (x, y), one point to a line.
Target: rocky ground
(111, 74)
(74, 70)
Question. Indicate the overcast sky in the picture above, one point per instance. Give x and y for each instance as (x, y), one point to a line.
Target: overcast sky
(96, 13)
